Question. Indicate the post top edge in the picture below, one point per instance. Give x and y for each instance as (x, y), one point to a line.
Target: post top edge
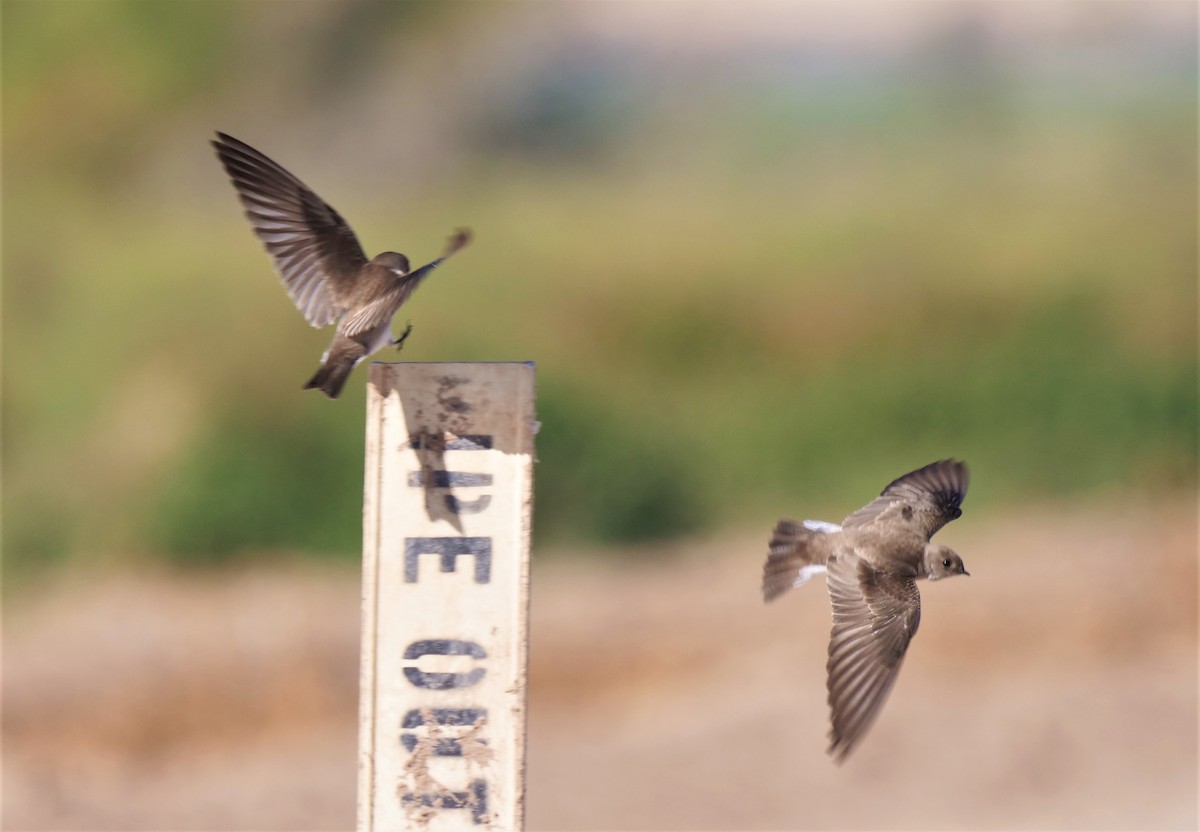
(384, 377)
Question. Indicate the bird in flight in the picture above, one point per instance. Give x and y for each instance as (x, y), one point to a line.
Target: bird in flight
(322, 265)
(871, 564)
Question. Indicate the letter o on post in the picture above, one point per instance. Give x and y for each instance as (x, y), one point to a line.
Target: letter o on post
(443, 647)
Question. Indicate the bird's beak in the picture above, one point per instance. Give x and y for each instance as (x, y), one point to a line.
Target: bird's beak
(965, 572)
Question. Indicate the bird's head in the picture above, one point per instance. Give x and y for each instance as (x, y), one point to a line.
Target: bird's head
(392, 261)
(942, 562)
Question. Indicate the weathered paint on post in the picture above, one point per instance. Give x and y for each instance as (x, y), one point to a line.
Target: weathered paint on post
(446, 523)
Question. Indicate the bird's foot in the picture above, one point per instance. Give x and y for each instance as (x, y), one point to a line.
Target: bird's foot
(399, 342)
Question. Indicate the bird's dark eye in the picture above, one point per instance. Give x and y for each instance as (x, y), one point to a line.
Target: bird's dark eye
(946, 562)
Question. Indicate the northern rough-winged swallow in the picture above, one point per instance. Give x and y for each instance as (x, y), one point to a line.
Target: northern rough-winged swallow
(322, 264)
(872, 562)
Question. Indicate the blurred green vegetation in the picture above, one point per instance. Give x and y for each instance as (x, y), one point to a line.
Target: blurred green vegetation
(764, 296)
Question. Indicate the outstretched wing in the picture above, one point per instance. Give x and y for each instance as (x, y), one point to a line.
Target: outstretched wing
(875, 615)
(381, 309)
(927, 499)
(315, 251)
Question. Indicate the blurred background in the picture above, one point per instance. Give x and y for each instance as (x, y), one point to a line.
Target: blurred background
(767, 257)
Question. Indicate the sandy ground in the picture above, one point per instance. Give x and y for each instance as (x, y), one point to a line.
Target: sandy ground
(1056, 688)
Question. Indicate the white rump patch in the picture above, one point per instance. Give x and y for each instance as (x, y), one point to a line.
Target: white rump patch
(821, 526)
(806, 573)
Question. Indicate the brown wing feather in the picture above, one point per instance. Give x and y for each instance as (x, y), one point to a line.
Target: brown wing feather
(875, 615)
(315, 251)
(927, 498)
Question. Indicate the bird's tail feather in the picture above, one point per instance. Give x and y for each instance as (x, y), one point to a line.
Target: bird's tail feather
(797, 552)
(331, 378)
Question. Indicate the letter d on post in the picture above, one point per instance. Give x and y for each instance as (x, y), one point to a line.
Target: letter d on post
(446, 520)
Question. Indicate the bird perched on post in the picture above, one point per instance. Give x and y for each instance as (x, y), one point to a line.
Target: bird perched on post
(322, 265)
(872, 563)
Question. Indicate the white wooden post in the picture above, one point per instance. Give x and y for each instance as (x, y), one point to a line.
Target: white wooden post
(446, 521)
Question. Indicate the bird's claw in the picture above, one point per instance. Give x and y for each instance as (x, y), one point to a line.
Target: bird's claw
(399, 342)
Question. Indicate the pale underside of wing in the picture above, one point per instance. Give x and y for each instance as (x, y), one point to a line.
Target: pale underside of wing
(316, 253)
(874, 618)
(923, 500)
